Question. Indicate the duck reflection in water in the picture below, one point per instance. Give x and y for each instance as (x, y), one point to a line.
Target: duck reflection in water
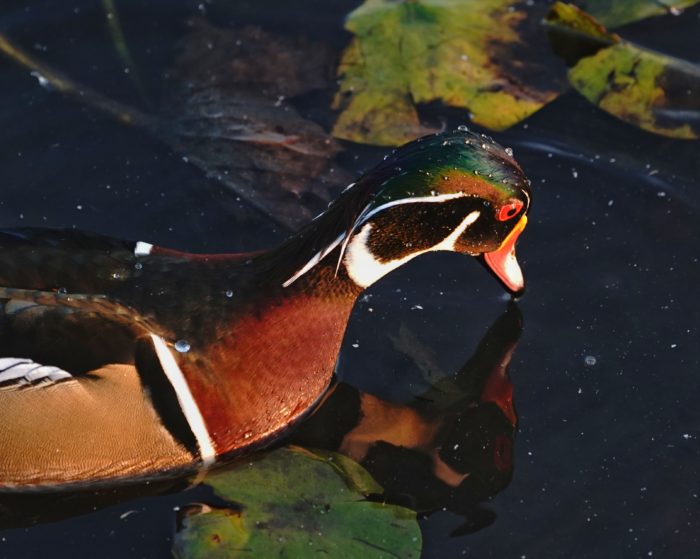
(449, 449)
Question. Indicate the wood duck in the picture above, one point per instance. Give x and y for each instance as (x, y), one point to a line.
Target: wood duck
(123, 360)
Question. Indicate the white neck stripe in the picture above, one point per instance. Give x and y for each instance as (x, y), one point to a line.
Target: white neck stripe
(184, 397)
(315, 259)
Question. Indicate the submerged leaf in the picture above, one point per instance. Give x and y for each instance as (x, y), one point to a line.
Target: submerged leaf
(228, 113)
(296, 503)
(614, 13)
(465, 53)
(645, 88)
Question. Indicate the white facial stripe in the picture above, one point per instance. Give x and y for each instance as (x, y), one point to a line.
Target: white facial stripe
(142, 249)
(367, 213)
(184, 397)
(364, 269)
(430, 199)
(315, 259)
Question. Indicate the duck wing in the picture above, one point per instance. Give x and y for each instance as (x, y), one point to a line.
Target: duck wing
(68, 260)
(83, 395)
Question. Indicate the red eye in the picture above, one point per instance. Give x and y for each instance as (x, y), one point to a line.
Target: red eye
(509, 210)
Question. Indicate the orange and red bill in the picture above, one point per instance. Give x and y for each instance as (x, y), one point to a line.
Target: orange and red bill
(503, 263)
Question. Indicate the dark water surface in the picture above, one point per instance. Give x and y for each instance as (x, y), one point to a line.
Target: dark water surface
(607, 451)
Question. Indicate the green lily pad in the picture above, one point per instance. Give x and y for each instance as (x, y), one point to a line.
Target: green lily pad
(614, 13)
(650, 90)
(296, 503)
(645, 88)
(464, 53)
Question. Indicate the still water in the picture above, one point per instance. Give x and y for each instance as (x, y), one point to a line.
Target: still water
(606, 454)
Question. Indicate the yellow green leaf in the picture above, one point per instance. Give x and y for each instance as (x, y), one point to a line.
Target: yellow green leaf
(642, 87)
(571, 19)
(464, 53)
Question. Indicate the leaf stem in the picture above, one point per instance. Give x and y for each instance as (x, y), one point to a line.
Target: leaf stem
(49, 77)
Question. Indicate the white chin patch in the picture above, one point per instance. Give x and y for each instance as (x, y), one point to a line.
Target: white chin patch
(18, 372)
(364, 268)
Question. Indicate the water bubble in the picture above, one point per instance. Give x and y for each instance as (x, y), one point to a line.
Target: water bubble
(462, 128)
(484, 146)
(183, 346)
(229, 293)
(62, 291)
(509, 152)
(43, 82)
(590, 360)
(138, 265)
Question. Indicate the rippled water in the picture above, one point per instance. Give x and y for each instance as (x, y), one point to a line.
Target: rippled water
(607, 451)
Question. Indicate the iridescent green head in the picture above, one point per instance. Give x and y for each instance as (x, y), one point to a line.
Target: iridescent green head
(456, 191)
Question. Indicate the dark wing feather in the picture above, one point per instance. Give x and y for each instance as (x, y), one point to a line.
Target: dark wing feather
(49, 260)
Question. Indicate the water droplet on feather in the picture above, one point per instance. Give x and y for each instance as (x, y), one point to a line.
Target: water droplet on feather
(183, 346)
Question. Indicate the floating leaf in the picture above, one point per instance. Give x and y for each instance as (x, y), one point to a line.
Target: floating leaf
(614, 13)
(228, 113)
(642, 87)
(645, 88)
(296, 503)
(574, 34)
(464, 53)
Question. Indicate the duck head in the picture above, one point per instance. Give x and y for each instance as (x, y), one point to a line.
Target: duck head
(456, 191)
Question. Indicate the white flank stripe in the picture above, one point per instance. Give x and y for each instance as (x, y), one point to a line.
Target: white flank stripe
(187, 403)
(315, 259)
(142, 249)
(364, 269)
